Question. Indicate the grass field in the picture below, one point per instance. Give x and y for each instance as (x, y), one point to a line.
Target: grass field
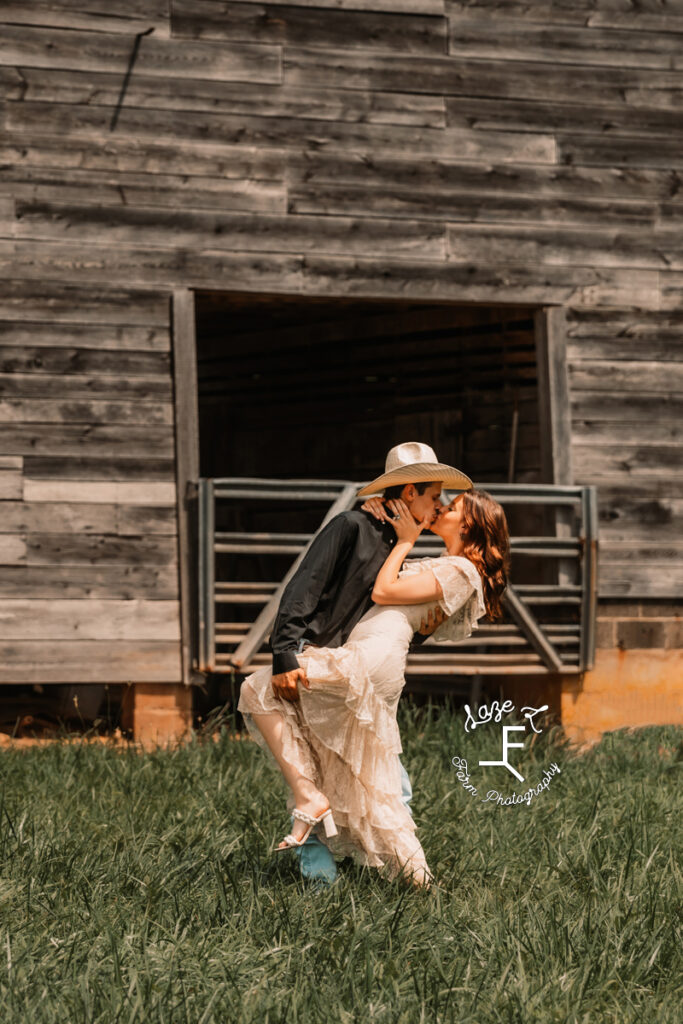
(140, 887)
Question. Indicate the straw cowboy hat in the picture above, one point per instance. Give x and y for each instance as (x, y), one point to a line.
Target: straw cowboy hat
(412, 463)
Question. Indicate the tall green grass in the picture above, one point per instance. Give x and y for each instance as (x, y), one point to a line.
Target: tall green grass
(140, 887)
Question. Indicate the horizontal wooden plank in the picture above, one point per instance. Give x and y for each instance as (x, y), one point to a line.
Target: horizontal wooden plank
(632, 323)
(84, 361)
(39, 619)
(302, 26)
(441, 177)
(632, 515)
(27, 46)
(74, 386)
(630, 579)
(128, 17)
(113, 582)
(626, 375)
(143, 155)
(88, 661)
(590, 246)
(63, 302)
(56, 472)
(281, 132)
(48, 549)
(671, 290)
(629, 538)
(151, 492)
(48, 85)
(489, 114)
(117, 339)
(645, 15)
(11, 484)
(390, 6)
(116, 225)
(630, 430)
(78, 517)
(498, 79)
(165, 191)
(355, 277)
(12, 549)
(471, 283)
(594, 150)
(49, 410)
(71, 439)
(512, 39)
(606, 405)
(660, 348)
(488, 207)
(619, 462)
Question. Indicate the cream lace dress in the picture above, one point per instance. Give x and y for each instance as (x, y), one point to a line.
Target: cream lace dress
(342, 733)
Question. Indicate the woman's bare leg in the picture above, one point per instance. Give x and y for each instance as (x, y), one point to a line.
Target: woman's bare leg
(306, 796)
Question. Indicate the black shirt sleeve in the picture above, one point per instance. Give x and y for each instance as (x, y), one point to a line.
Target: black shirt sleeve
(327, 553)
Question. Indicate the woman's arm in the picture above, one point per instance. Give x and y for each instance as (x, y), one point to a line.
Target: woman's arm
(421, 588)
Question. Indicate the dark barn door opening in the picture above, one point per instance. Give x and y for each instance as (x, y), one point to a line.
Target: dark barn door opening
(303, 395)
(301, 387)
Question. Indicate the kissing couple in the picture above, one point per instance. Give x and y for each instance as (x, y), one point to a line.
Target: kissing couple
(326, 712)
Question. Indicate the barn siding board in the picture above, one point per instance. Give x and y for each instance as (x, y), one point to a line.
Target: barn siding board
(117, 339)
(88, 661)
(644, 15)
(86, 374)
(110, 582)
(40, 47)
(131, 17)
(102, 89)
(478, 152)
(339, 200)
(442, 176)
(279, 132)
(46, 149)
(496, 79)
(301, 26)
(511, 39)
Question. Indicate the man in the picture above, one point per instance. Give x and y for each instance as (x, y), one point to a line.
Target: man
(332, 588)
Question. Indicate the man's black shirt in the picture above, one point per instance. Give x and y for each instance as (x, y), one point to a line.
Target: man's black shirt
(332, 588)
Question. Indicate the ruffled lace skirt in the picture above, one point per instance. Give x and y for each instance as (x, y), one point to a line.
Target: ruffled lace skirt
(342, 734)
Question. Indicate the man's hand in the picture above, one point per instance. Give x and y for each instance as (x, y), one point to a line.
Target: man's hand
(285, 684)
(432, 621)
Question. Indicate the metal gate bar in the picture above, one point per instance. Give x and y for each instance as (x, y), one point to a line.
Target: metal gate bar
(532, 646)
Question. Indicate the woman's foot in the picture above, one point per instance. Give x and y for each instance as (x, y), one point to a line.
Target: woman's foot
(313, 802)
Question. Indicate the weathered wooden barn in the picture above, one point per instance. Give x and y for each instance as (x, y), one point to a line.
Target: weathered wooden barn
(269, 240)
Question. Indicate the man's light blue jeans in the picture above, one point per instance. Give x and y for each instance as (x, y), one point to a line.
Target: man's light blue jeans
(315, 860)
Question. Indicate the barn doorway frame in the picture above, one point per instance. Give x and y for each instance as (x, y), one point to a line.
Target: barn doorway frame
(554, 425)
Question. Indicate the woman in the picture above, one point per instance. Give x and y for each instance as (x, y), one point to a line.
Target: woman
(337, 745)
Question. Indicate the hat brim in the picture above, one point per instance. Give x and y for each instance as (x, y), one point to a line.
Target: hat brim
(417, 473)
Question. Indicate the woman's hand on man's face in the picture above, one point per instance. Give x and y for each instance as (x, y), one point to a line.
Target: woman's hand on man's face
(404, 524)
(376, 507)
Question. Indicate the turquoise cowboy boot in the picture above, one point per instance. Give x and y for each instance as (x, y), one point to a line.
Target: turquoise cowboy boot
(317, 864)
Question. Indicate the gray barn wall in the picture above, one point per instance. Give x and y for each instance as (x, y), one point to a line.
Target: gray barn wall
(469, 152)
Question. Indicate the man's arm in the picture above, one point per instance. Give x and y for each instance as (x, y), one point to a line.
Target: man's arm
(301, 596)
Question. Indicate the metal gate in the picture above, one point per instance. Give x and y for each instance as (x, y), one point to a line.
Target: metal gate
(549, 627)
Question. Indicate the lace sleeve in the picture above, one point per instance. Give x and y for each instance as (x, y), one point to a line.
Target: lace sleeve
(462, 598)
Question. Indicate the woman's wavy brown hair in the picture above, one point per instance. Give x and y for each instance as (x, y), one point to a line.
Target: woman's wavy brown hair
(486, 541)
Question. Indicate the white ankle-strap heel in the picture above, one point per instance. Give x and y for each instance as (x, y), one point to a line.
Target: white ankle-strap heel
(325, 817)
